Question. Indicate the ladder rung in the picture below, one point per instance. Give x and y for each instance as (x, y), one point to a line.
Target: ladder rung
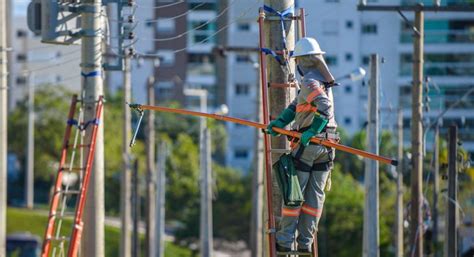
(280, 150)
(64, 215)
(282, 85)
(72, 169)
(78, 146)
(277, 18)
(61, 238)
(69, 192)
(294, 253)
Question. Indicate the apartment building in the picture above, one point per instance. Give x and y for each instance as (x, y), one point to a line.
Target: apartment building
(349, 37)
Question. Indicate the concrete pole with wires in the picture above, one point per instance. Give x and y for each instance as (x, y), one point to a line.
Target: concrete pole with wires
(160, 200)
(125, 187)
(206, 233)
(279, 98)
(91, 63)
(436, 187)
(453, 215)
(150, 207)
(256, 224)
(30, 149)
(416, 223)
(399, 201)
(371, 210)
(3, 127)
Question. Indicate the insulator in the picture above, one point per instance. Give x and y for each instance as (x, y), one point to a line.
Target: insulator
(131, 35)
(131, 19)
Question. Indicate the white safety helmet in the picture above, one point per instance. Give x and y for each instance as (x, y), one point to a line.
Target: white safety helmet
(307, 46)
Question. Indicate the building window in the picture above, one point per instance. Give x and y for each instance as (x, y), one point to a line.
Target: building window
(21, 80)
(21, 33)
(242, 89)
(348, 57)
(164, 89)
(241, 154)
(365, 60)
(166, 57)
(243, 26)
(330, 27)
(243, 58)
(347, 121)
(370, 28)
(331, 60)
(349, 24)
(201, 31)
(21, 57)
(348, 89)
(165, 25)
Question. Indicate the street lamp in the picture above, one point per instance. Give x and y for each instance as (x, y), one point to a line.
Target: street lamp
(355, 75)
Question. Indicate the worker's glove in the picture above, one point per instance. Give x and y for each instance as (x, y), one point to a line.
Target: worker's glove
(319, 123)
(284, 119)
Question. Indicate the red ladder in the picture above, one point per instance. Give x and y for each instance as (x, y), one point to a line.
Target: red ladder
(271, 227)
(55, 240)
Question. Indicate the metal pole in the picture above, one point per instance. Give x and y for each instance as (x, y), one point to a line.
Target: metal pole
(371, 217)
(416, 224)
(161, 191)
(135, 212)
(30, 160)
(256, 224)
(150, 175)
(452, 236)
(91, 63)
(3, 127)
(436, 188)
(126, 213)
(399, 218)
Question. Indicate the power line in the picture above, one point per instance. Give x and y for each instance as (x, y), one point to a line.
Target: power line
(195, 28)
(161, 6)
(179, 15)
(55, 65)
(211, 36)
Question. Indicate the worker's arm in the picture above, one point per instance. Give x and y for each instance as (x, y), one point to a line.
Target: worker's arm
(321, 101)
(285, 117)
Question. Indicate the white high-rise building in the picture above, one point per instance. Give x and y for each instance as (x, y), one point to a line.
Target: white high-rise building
(349, 37)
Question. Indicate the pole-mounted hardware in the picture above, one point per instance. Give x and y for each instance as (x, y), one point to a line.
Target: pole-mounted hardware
(138, 108)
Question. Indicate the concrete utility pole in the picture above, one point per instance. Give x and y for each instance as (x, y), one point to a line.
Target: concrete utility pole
(436, 187)
(135, 211)
(150, 207)
(256, 224)
(3, 127)
(399, 218)
(371, 210)
(279, 98)
(416, 224)
(125, 197)
(206, 234)
(160, 200)
(453, 215)
(91, 63)
(30, 160)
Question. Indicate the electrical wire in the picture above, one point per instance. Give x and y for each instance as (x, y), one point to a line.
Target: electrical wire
(179, 15)
(54, 65)
(160, 6)
(195, 28)
(209, 37)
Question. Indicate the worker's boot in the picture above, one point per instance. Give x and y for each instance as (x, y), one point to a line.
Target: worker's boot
(282, 249)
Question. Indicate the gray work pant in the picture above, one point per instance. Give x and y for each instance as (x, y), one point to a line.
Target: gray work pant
(306, 217)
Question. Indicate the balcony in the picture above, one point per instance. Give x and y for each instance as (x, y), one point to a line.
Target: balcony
(454, 69)
(441, 36)
(443, 2)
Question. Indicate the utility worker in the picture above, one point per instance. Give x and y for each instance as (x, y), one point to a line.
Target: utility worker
(313, 114)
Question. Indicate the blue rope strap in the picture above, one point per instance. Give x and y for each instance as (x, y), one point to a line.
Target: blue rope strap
(91, 74)
(269, 51)
(283, 15)
(83, 126)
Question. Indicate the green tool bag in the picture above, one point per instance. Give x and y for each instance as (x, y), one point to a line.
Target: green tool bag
(288, 181)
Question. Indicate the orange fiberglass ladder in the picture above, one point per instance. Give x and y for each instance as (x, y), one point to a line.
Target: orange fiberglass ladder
(281, 57)
(56, 239)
